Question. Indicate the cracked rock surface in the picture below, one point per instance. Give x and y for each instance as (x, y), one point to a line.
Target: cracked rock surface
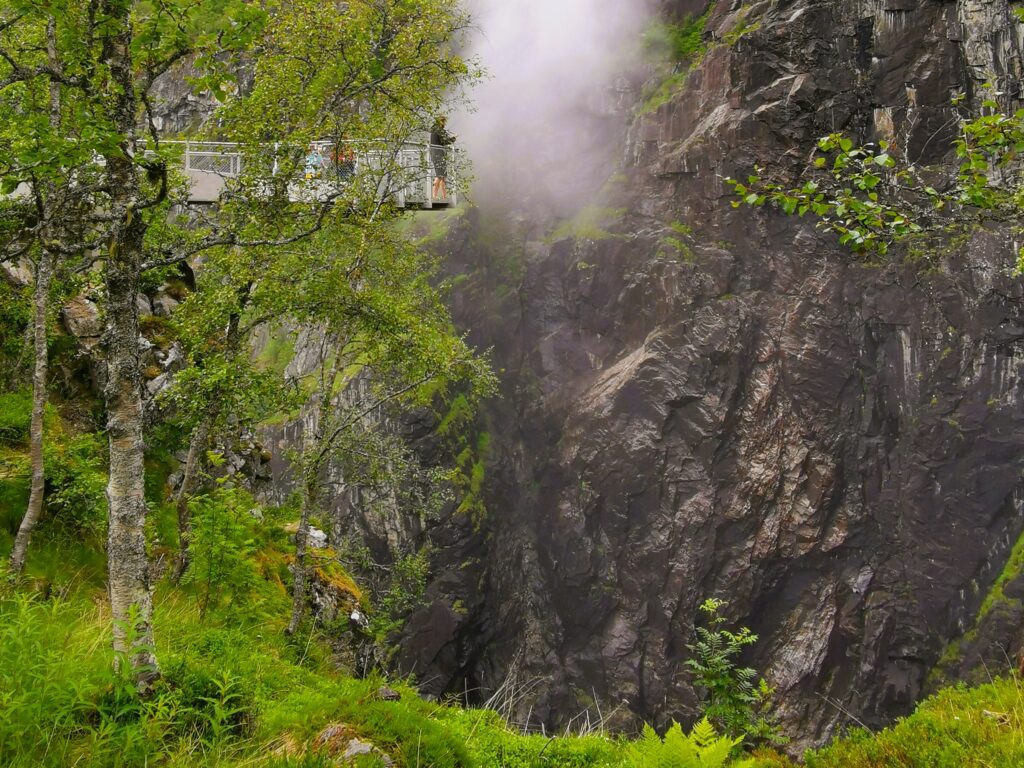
(833, 447)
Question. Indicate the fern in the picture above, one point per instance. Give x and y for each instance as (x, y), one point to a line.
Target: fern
(734, 695)
(702, 748)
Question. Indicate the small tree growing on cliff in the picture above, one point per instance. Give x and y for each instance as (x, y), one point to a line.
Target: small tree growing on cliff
(873, 199)
(385, 339)
(735, 694)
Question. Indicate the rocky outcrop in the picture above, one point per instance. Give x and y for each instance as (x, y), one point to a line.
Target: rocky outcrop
(340, 743)
(745, 411)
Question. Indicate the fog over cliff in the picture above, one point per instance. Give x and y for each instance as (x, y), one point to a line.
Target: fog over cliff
(540, 130)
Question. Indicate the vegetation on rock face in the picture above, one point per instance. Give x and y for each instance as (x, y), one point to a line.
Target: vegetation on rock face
(682, 42)
(958, 728)
(591, 223)
(873, 199)
(252, 670)
(675, 49)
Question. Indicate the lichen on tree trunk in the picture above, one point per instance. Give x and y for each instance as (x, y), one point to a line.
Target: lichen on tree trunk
(317, 453)
(128, 565)
(43, 278)
(41, 291)
(131, 599)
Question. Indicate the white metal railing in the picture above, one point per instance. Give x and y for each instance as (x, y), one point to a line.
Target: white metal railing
(407, 172)
(213, 158)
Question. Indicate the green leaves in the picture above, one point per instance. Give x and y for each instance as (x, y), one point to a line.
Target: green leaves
(862, 195)
(871, 199)
(701, 748)
(733, 694)
(223, 545)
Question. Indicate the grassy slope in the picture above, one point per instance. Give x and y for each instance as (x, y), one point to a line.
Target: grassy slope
(958, 728)
(237, 693)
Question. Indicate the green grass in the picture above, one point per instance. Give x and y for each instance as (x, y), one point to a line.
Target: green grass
(744, 26)
(677, 48)
(236, 692)
(680, 43)
(15, 415)
(995, 598)
(959, 727)
(591, 223)
(1012, 569)
(663, 92)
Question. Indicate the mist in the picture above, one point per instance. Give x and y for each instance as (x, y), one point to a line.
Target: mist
(546, 128)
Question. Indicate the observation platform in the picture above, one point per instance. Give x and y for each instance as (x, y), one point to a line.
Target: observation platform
(404, 175)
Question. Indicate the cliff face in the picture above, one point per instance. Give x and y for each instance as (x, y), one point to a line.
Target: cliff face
(705, 401)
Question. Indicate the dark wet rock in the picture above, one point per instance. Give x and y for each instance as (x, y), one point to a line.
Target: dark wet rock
(832, 447)
(388, 694)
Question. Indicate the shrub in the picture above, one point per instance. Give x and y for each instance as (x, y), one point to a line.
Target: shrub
(734, 693)
(76, 482)
(15, 316)
(15, 417)
(50, 669)
(680, 43)
(402, 595)
(223, 547)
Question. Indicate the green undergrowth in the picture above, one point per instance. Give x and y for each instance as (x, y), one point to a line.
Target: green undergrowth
(995, 599)
(957, 728)
(73, 526)
(743, 27)
(1013, 568)
(676, 49)
(428, 228)
(235, 691)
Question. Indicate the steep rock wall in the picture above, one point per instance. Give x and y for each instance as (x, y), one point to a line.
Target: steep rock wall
(833, 447)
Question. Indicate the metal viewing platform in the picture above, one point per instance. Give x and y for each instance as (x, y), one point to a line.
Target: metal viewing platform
(405, 175)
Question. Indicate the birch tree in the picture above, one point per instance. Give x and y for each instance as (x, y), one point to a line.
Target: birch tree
(368, 66)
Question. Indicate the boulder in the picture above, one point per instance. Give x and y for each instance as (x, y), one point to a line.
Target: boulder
(82, 320)
(339, 741)
(164, 304)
